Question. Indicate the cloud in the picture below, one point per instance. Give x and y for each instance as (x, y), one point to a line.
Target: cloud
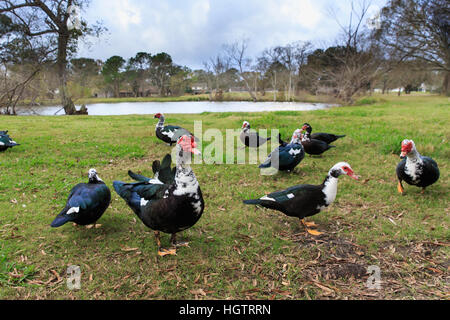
(193, 31)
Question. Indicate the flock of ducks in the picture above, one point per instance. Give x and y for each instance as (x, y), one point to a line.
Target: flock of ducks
(171, 201)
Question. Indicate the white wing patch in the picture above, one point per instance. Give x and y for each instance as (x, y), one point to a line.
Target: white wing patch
(1, 143)
(73, 209)
(154, 181)
(294, 151)
(168, 133)
(290, 195)
(267, 198)
(143, 202)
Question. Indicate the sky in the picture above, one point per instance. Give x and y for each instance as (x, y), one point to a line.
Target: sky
(193, 31)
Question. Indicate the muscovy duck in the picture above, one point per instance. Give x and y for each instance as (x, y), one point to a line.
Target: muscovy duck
(251, 138)
(168, 208)
(6, 141)
(169, 134)
(306, 200)
(86, 203)
(314, 146)
(161, 171)
(415, 169)
(289, 155)
(326, 137)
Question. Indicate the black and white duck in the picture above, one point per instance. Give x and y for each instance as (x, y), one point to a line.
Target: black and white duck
(168, 208)
(169, 134)
(326, 137)
(251, 138)
(314, 146)
(86, 203)
(306, 200)
(415, 169)
(286, 156)
(6, 141)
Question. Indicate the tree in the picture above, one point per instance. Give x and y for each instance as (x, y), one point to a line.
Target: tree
(418, 29)
(113, 73)
(218, 66)
(354, 63)
(47, 30)
(84, 69)
(160, 71)
(138, 69)
(237, 55)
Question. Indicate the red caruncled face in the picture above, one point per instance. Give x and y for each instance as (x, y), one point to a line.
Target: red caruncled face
(188, 144)
(348, 171)
(158, 115)
(407, 146)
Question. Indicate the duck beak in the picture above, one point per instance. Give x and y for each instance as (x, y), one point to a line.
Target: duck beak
(352, 175)
(195, 151)
(402, 154)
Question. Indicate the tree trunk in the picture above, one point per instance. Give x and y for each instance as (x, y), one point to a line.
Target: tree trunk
(446, 84)
(61, 62)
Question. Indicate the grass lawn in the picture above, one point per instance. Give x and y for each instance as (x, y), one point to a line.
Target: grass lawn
(236, 251)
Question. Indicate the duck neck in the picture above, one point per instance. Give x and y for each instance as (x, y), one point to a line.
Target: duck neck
(96, 179)
(160, 123)
(413, 157)
(185, 180)
(330, 185)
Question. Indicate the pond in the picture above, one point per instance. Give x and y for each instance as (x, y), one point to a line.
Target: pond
(124, 108)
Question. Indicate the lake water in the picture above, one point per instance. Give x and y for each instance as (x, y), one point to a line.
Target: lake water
(124, 108)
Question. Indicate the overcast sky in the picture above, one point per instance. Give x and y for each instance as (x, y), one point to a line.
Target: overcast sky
(192, 31)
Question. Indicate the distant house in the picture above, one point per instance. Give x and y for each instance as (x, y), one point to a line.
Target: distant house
(198, 88)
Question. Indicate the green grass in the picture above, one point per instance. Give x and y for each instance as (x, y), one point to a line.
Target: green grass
(236, 251)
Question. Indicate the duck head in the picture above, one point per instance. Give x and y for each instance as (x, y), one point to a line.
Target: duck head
(306, 127)
(408, 146)
(245, 125)
(297, 136)
(342, 168)
(93, 177)
(186, 145)
(159, 115)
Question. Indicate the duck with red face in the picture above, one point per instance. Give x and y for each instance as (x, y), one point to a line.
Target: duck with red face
(415, 169)
(169, 134)
(164, 207)
(305, 200)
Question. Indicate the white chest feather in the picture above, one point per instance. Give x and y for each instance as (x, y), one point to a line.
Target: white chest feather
(330, 190)
(186, 184)
(413, 168)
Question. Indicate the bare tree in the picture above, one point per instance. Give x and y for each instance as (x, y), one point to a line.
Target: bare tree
(418, 30)
(354, 63)
(237, 53)
(218, 66)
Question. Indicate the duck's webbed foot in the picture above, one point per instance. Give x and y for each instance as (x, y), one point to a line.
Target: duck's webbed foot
(174, 243)
(162, 251)
(310, 224)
